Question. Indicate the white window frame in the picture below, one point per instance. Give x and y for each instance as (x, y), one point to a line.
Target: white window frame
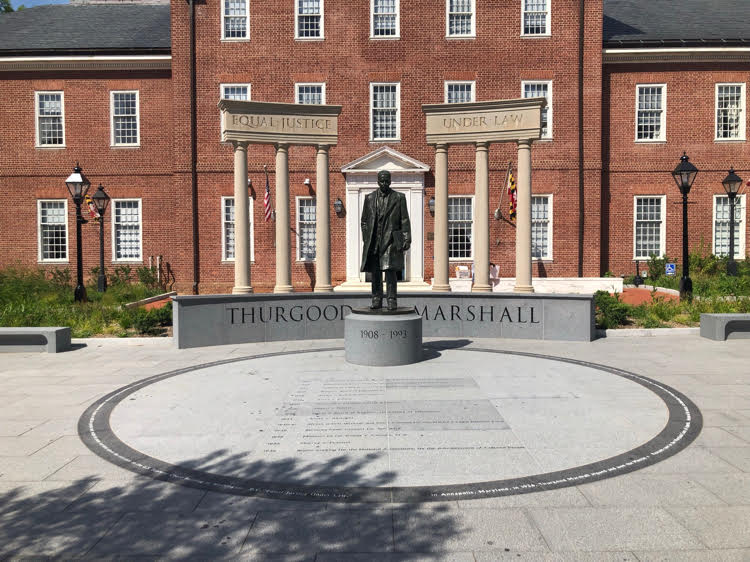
(473, 230)
(472, 83)
(372, 23)
(322, 35)
(663, 227)
(112, 93)
(550, 229)
(548, 21)
(224, 257)
(739, 244)
(297, 86)
(114, 237)
(297, 231)
(472, 34)
(247, 23)
(36, 117)
(743, 117)
(397, 138)
(248, 86)
(40, 254)
(663, 137)
(549, 107)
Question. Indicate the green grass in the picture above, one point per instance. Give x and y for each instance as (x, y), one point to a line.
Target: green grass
(32, 297)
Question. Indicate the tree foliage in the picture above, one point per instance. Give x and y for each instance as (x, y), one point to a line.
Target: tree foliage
(5, 6)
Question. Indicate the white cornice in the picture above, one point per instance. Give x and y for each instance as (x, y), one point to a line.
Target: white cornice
(94, 62)
(676, 54)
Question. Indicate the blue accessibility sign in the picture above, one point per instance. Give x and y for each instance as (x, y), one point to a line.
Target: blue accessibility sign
(670, 269)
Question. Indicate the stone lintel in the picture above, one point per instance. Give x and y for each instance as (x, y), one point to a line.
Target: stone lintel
(270, 123)
(490, 121)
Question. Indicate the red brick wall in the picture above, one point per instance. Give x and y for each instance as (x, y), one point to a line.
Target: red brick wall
(644, 168)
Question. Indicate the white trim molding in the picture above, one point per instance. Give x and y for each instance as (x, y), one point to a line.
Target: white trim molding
(113, 214)
(113, 138)
(546, 135)
(298, 230)
(472, 34)
(397, 25)
(40, 245)
(237, 85)
(322, 85)
(662, 117)
(222, 7)
(397, 137)
(742, 117)
(550, 227)
(675, 54)
(547, 20)
(739, 243)
(38, 144)
(321, 14)
(224, 258)
(662, 225)
(473, 90)
(94, 62)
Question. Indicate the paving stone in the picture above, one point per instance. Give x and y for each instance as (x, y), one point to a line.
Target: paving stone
(722, 418)
(649, 490)
(218, 502)
(422, 529)
(90, 466)
(691, 460)
(556, 556)
(724, 555)
(563, 497)
(718, 437)
(21, 498)
(10, 428)
(302, 532)
(737, 456)
(23, 446)
(396, 557)
(140, 494)
(741, 431)
(732, 488)
(34, 467)
(717, 527)
(608, 528)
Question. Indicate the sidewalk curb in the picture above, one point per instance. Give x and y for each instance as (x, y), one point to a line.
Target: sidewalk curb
(647, 332)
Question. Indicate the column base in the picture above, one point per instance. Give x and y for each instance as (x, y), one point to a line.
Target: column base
(441, 288)
(283, 289)
(323, 289)
(523, 289)
(242, 290)
(481, 288)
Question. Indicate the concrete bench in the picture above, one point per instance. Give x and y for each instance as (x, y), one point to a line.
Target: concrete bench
(49, 339)
(722, 327)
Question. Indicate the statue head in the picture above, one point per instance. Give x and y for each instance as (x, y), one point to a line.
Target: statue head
(384, 180)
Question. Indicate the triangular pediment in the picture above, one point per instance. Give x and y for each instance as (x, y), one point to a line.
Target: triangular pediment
(385, 158)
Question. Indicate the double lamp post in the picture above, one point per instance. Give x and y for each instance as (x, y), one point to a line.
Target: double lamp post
(78, 186)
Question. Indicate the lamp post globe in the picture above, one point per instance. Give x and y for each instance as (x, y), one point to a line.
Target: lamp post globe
(684, 176)
(732, 184)
(101, 200)
(78, 185)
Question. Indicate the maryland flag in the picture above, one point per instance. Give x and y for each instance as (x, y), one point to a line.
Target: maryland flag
(512, 195)
(93, 211)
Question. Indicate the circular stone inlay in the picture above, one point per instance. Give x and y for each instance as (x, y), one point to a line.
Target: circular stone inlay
(467, 423)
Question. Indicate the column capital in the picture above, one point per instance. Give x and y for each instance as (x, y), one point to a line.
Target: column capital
(239, 145)
(442, 147)
(282, 147)
(482, 145)
(323, 147)
(522, 143)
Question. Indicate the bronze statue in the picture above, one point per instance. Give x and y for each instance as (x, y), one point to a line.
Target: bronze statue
(386, 233)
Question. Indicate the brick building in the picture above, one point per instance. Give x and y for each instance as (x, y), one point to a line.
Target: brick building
(629, 85)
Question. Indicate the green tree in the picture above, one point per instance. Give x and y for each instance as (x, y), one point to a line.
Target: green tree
(5, 6)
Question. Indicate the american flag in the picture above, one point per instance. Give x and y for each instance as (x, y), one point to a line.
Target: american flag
(267, 198)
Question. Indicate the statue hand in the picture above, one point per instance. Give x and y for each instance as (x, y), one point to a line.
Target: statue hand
(407, 245)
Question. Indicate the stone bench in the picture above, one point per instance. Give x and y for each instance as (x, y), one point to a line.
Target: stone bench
(721, 327)
(49, 339)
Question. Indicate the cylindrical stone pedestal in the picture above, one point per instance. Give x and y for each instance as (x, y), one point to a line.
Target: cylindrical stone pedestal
(383, 339)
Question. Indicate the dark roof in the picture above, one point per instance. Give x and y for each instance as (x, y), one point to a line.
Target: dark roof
(91, 28)
(631, 23)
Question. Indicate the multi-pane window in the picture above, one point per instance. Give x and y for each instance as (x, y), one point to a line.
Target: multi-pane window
(309, 20)
(649, 227)
(541, 90)
(541, 226)
(50, 123)
(460, 18)
(459, 92)
(384, 18)
(227, 221)
(235, 19)
(53, 230)
(460, 221)
(385, 108)
(535, 17)
(240, 92)
(305, 228)
(649, 115)
(125, 119)
(126, 229)
(730, 112)
(721, 226)
(310, 93)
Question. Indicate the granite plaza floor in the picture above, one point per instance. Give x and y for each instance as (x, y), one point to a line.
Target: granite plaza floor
(487, 450)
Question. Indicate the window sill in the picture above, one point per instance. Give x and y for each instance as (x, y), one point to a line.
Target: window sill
(384, 141)
(536, 36)
(650, 141)
(124, 146)
(453, 37)
(116, 262)
(461, 260)
(385, 38)
(50, 146)
(309, 39)
(729, 140)
(237, 40)
(304, 261)
(52, 262)
(231, 262)
(542, 260)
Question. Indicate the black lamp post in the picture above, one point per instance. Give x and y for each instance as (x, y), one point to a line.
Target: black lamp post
(101, 200)
(731, 185)
(78, 186)
(684, 176)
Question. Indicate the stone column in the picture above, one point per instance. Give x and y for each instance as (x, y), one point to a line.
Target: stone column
(322, 224)
(283, 254)
(241, 221)
(440, 238)
(523, 220)
(482, 220)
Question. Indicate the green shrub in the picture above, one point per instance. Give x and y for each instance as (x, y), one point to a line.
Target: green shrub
(610, 311)
(147, 276)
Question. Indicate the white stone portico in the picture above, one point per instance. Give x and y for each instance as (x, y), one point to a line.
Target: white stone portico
(407, 177)
(282, 125)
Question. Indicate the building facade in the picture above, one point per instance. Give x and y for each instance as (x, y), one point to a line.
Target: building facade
(135, 102)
